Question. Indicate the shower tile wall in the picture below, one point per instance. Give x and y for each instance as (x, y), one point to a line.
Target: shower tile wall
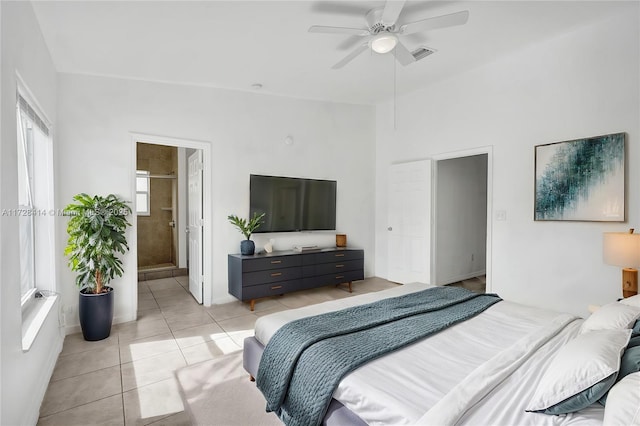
(155, 242)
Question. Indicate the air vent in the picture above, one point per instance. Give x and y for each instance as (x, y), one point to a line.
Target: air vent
(422, 52)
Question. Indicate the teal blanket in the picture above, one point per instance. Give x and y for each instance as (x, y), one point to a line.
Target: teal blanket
(305, 359)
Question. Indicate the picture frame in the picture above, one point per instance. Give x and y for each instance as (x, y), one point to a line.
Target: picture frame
(581, 180)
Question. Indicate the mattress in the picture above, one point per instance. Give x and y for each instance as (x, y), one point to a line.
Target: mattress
(424, 383)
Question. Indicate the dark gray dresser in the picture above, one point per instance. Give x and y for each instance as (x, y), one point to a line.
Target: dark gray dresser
(262, 275)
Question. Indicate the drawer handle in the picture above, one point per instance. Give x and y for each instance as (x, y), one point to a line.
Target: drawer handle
(275, 262)
(275, 287)
(339, 266)
(276, 274)
(339, 277)
(340, 255)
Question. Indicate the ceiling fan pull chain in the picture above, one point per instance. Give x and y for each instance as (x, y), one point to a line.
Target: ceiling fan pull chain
(395, 83)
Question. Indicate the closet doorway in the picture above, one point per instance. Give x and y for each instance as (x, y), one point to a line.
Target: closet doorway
(461, 230)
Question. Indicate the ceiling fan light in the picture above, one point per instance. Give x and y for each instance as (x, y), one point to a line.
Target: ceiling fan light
(384, 43)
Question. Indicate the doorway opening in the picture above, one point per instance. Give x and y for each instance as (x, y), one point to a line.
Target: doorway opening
(462, 194)
(173, 211)
(158, 219)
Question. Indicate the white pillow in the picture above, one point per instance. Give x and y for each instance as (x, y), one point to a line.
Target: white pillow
(611, 316)
(580, 364)
(632, 301)
(623, 402)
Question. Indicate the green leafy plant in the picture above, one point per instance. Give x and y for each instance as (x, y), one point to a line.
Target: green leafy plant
(96, 234)
(247, 227)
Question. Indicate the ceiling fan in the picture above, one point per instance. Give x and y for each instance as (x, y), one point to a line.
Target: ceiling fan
(383, 32)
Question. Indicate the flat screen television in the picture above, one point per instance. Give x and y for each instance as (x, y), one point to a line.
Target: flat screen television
(293, 204)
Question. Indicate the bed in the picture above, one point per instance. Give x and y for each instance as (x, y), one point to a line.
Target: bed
(508, 364)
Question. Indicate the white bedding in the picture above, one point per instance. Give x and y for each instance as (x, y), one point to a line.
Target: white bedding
(267, 325)
(461, 375)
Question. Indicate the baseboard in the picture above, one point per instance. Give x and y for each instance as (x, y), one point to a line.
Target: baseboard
(463, 277)
(73, 329)
(223, 300)
(38, 395)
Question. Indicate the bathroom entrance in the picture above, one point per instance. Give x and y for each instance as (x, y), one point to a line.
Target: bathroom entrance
(161, 253)
(173, 211)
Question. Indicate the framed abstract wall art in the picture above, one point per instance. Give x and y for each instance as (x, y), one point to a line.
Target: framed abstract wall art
(581, 180)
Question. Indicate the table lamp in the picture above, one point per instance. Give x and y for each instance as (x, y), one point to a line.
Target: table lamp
(623, 249)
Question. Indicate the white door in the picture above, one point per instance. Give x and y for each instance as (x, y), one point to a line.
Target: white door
(195, 225)
(409, 227)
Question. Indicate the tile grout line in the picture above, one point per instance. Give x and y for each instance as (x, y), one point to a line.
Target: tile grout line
(132, 361)
(88, 372)
(176, 343)
(77, 406)
(124, 416)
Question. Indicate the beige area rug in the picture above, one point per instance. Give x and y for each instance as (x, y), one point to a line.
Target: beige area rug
(219, 393)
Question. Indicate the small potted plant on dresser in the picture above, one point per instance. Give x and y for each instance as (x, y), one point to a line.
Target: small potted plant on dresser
(96, 235)
(247, 227)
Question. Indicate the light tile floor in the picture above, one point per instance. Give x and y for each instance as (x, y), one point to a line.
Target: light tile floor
(128, 378)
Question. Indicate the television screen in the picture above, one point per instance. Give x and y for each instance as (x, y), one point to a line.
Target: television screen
(293, 204)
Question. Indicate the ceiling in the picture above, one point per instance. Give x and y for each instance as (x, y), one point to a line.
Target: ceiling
(234, 44)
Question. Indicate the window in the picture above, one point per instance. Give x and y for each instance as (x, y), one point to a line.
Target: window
(35, 214)
(142, 193)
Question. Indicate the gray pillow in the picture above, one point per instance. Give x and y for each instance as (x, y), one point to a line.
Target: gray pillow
(629, 363)
(583, 399)
(634, 341)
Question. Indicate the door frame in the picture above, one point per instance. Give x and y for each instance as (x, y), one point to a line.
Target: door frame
(461, 154)
(207, 230)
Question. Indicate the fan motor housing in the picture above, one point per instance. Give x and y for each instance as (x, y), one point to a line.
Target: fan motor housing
(374, 21)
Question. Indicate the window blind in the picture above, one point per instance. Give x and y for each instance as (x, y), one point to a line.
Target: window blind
(30, 112)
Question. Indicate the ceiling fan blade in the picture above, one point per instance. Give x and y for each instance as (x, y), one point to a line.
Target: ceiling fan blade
(349, 43)
(450, 20)
(403, 55)
(391, 11)
(341, 7)
(351, 56)
(338, 30)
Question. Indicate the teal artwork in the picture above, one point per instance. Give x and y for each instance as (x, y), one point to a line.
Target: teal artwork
(581, 179)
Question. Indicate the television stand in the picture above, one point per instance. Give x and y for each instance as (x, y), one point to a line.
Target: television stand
(281, 272)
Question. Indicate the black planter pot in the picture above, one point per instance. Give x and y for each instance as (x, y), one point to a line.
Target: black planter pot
(247, 247)
(96, 314)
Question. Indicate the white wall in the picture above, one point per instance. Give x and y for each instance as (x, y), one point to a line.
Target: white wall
(246, 132)
(460, 218)
(583, 83)
(25, 375)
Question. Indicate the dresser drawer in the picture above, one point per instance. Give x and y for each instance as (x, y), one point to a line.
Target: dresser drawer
(338, 256)
(274, 289)
(329, 279)
(270, 262)
(336, 267)
(270, 276)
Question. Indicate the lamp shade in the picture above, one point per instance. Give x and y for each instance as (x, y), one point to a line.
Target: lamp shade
(621, 249)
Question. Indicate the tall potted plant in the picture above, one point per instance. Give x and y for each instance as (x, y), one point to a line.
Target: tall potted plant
(247, 227)
(96, 232)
